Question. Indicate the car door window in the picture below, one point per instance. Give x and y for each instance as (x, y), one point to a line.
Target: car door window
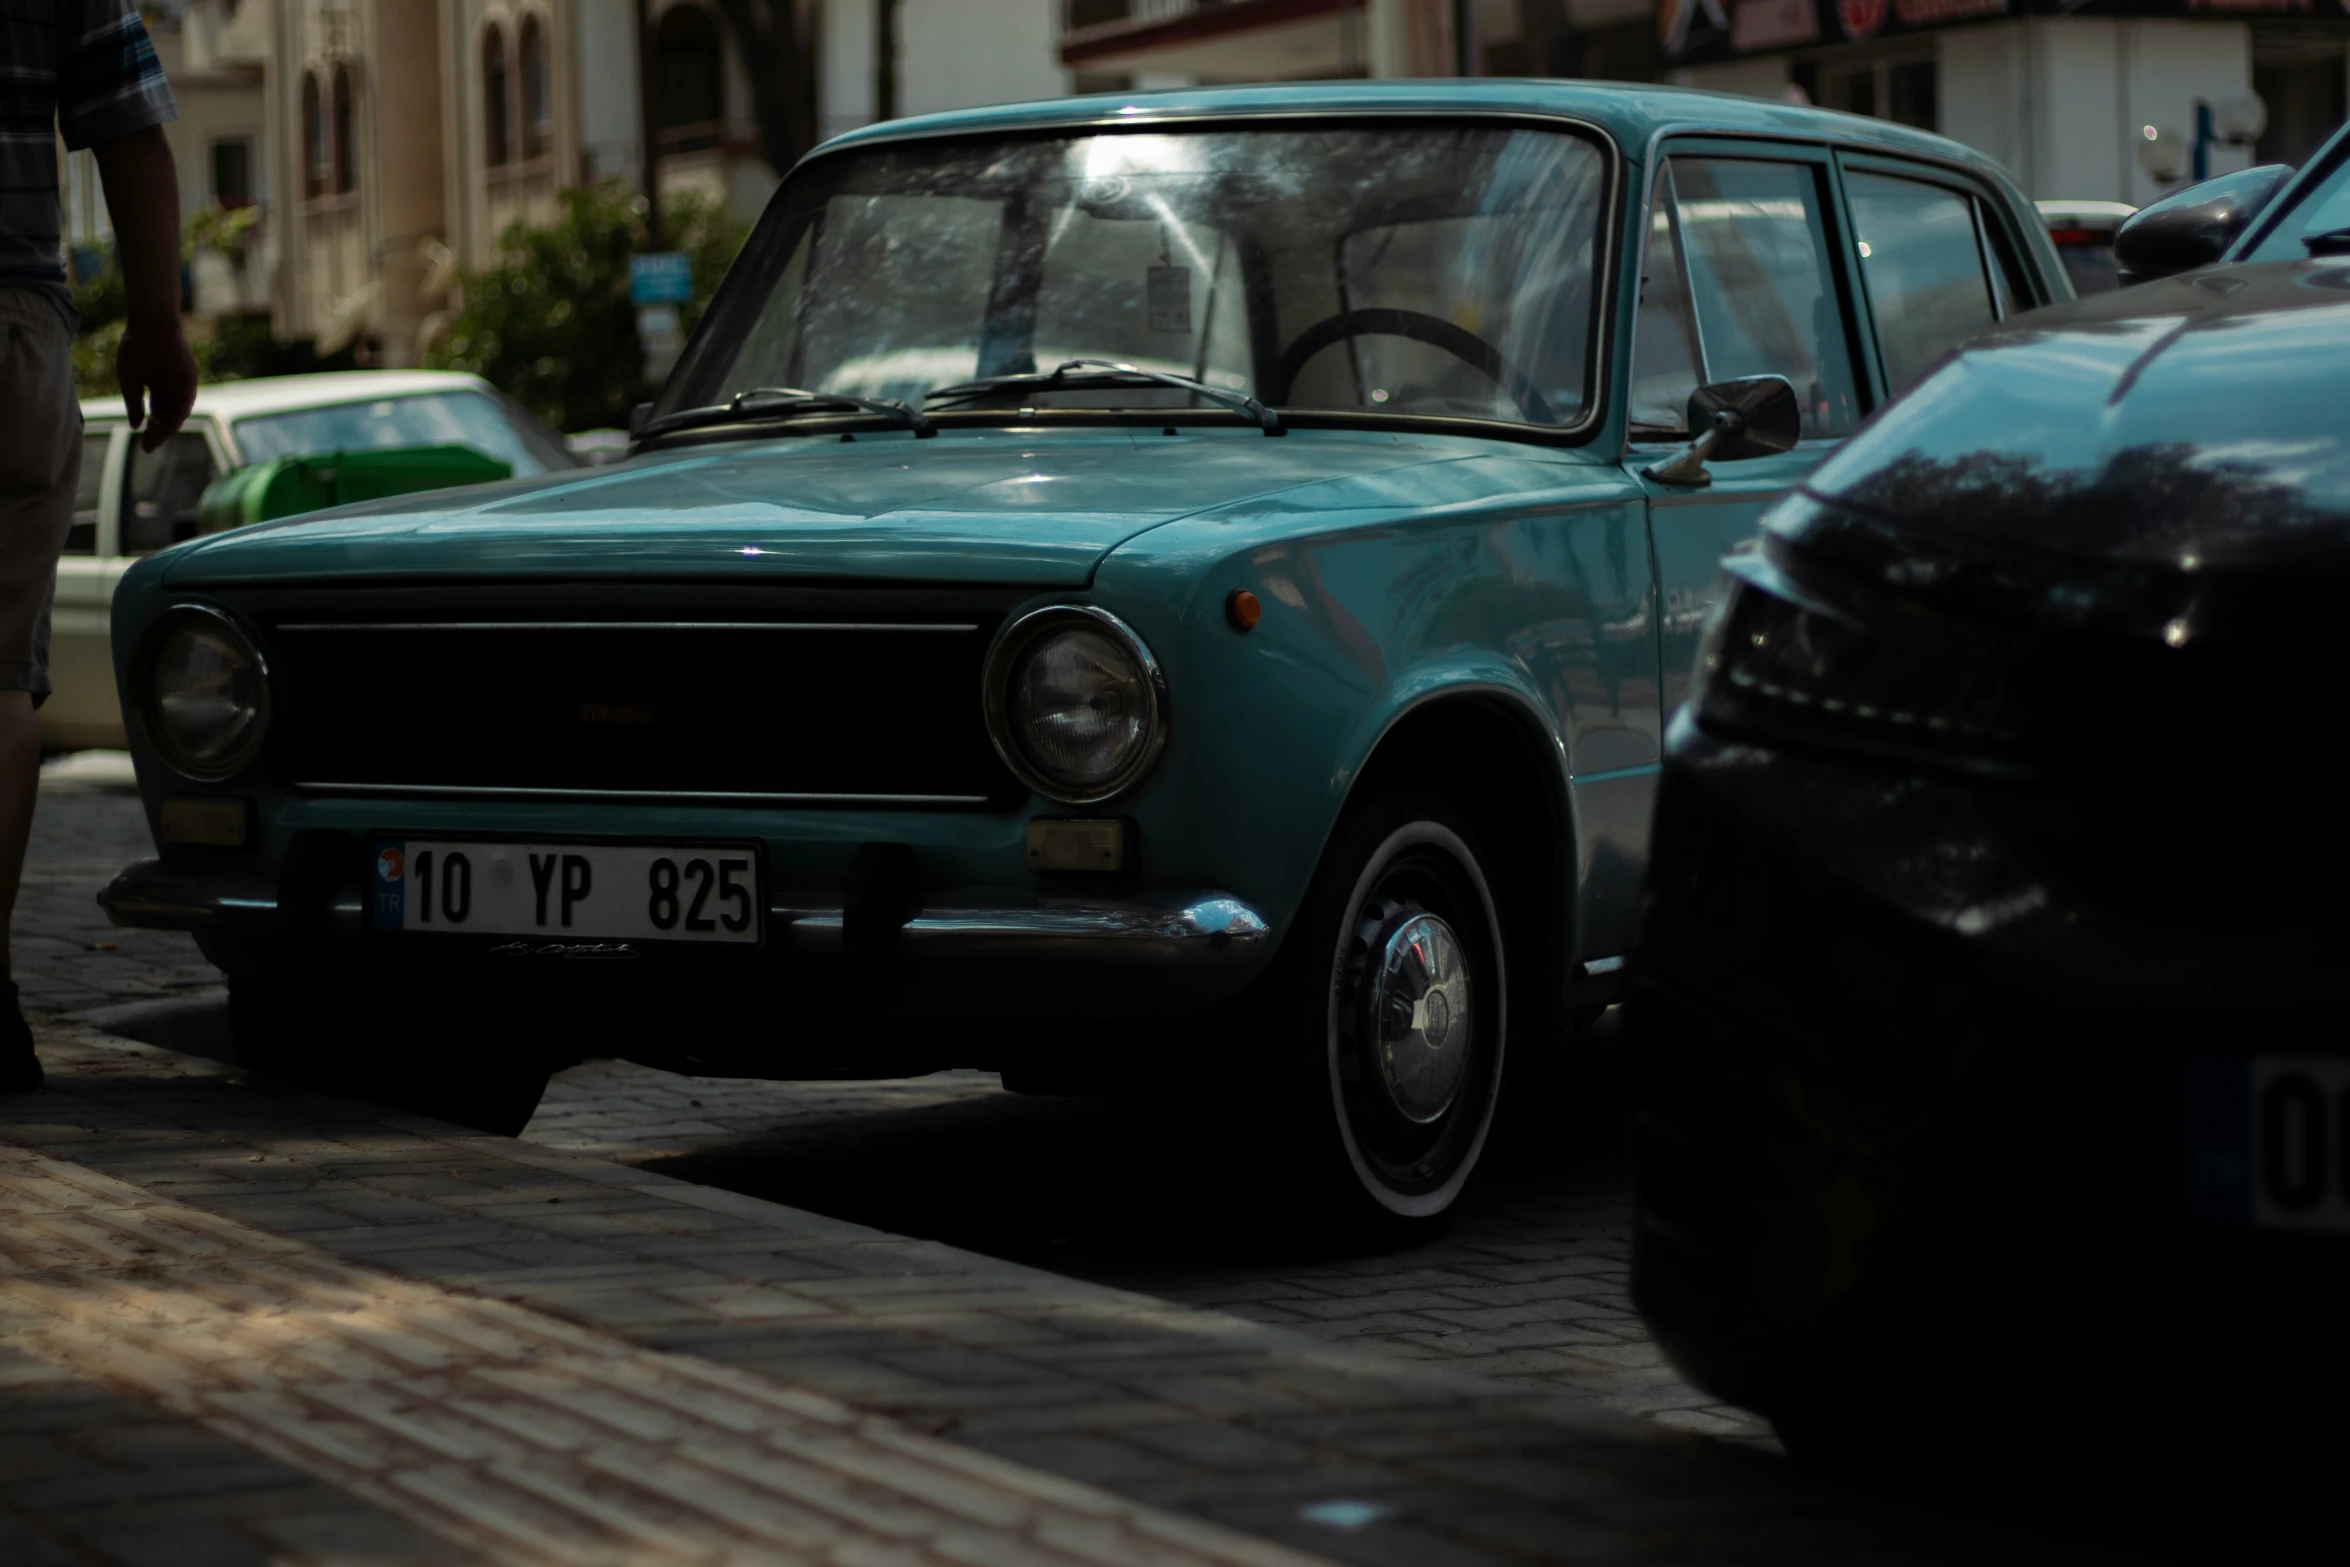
(1931, 280)
(160, 493)
(82, 537)
(1664, 329)
(1754, 237)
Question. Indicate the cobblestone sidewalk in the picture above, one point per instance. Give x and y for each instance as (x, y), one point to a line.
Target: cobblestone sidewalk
(513, 1352)
(1530, 1286)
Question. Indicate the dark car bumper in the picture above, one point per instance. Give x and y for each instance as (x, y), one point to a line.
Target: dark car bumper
(1909, 1121)
(895, 963)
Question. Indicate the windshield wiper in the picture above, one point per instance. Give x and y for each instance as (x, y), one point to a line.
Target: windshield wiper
(781, 402)
(1079, 374)
(2331, 242)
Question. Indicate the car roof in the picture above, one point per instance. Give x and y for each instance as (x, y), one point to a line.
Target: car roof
(1631, 112)
(288, 393)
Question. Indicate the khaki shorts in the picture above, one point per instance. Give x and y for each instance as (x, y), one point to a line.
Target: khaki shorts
(40, 466)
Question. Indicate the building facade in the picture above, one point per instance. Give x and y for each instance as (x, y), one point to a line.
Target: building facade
(1113, 45)
(2063, 92)
(215, 54)
(408, 135)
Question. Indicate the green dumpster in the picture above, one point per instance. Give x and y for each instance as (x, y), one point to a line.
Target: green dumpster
(290, 486)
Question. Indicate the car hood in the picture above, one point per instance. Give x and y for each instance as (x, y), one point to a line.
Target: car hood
(970, 506)
(2119, 458)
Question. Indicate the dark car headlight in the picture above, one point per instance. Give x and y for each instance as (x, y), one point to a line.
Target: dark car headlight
(1771, 665)
(1075, 704)
(203, 693)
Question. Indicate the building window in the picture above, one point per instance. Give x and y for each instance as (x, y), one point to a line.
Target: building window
(495, 135)
(538, 115)
(317, 161)
(346, 153)
(232, 172)
(692, 79)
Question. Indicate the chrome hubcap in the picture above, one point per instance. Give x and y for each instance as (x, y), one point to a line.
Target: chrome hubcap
(1419, 1020)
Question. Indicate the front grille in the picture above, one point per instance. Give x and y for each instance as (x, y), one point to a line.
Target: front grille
(877, 710)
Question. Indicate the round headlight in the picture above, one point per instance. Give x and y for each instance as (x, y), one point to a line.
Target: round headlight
(1075, 704)
(207, 694)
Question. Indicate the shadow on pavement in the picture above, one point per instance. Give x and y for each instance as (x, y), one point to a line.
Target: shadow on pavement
(1107, 1188)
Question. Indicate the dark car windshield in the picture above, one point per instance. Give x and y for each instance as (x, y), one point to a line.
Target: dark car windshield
(1414, 268)
(2324, 208)
(471, 419)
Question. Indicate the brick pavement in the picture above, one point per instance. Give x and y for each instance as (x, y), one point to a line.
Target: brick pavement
(1299, 1434)
(417, 1232)
(1530, 1285)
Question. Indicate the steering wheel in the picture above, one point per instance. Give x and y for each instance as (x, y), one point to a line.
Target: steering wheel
(1420, 327)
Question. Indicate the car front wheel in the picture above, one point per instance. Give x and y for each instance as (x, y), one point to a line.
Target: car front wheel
(1396, 1008)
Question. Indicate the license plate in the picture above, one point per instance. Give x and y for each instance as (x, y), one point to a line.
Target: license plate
(2268, 1141)
(567, 891)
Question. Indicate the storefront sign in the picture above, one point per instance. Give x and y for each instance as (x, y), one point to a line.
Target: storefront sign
(1772, 24)
(1692, 32)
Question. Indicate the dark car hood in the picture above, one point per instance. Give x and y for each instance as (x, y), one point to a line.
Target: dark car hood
(985, 506)
(2176, 444)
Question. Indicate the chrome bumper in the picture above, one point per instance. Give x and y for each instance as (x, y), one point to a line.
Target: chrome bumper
(1175, 930)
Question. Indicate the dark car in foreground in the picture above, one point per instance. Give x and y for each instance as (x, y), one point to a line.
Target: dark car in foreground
(1990, 994)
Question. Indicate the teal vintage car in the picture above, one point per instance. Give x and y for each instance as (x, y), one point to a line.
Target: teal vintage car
(1177, 591)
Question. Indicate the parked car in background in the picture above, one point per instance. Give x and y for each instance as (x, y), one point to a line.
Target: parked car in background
(1989, 999)
(134, 502)
(2082, 232)
(1184, 596)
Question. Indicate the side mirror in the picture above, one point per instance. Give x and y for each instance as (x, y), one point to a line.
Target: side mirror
(2194, 227)
(1732, 421)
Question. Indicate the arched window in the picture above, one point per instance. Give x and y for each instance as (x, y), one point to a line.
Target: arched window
(692, 79)
(346, 149)
(538, 113)
(316, 160)
(495, 135)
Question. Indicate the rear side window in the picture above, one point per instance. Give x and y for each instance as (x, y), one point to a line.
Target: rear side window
(1754, 240)
(82, 537)
(1934, 271)
(160, 495)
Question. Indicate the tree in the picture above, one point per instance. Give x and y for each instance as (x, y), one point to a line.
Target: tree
(551, 323)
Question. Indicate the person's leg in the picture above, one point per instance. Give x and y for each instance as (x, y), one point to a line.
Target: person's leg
(20, 781)
(40, 462)
(20, 778)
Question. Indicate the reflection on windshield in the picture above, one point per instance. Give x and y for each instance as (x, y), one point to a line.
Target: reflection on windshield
(2323, 209)
(1419, 269)
(437, 419)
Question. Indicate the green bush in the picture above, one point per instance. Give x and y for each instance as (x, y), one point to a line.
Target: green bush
(551, 323)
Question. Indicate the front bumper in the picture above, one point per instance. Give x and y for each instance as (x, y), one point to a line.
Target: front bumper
(1135, 954)
(1909, 1118)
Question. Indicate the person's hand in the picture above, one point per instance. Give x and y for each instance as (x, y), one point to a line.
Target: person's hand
(155, 369)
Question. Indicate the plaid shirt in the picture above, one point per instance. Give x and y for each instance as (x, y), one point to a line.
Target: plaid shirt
(82, 67)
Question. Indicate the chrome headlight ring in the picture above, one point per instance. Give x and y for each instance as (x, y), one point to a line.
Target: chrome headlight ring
(1008, 659)
(253, 734)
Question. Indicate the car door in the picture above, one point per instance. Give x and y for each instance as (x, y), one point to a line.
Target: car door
(81, 709)
(1745, 272)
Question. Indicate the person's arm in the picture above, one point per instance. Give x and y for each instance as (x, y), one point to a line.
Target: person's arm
(143, 198)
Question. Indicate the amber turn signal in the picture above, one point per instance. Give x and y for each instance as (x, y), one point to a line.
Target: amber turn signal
(1242, 609)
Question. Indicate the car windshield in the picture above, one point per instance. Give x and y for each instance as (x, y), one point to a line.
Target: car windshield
(2322, 209)
(1413, 268)
(470, 419)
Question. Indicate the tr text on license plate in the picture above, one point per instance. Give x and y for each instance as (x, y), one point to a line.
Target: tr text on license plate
(2267, 1140)
(583, 891)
